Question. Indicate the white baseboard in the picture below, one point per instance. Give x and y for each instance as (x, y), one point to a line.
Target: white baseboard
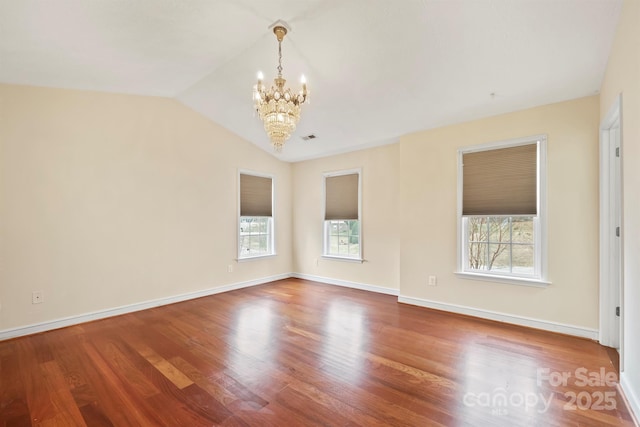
(347, 284)
(485, 314)
(631, 396)
(101, 314)
(546, 325)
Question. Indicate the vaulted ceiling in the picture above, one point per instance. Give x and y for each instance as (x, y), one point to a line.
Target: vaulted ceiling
(376, 69)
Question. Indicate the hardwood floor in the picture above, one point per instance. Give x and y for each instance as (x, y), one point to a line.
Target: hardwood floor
(295, 352)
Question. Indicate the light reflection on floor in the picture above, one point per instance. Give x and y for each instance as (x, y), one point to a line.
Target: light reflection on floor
(346, 340)
(496, 390)
(253, 330)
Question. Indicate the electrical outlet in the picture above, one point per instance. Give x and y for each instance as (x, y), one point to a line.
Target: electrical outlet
(37, 297)
(433, 280)
(230, 268)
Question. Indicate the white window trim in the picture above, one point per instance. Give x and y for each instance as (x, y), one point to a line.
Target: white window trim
(326, 175)
(273, 253)
(342, 259)
(540, 231)
(523, 281)
(255, 257)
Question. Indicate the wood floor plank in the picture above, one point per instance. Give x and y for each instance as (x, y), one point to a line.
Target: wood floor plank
(129, 408)
(13, 409)
(93, 396)
(37, 396)
(215, 390)
(167, 369)
(66, 411)
(299, 353)
(127, 367)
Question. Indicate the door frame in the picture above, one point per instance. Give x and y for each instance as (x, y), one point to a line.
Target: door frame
(611, 292)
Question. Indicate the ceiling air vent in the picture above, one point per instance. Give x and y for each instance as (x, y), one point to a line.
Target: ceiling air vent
(308, 137)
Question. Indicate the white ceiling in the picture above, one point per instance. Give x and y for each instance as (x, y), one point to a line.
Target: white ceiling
(377, 69)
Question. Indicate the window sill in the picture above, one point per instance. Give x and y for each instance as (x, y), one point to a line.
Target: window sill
(511, 280)
(255, 257)
(345, 259)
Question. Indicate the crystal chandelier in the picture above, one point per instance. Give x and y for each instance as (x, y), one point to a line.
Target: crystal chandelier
(277, 106)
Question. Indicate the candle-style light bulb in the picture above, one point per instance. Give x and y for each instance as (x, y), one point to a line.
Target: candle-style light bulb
(260, 76)
(303, 80)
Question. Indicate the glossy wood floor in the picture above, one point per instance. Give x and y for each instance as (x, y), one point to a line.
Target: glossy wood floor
(300, 353)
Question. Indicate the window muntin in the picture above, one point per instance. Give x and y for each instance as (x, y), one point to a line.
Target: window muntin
(342, 238)
(342, 225)
(255, 236)
(503, 237)
(501, 245)
(256, 224)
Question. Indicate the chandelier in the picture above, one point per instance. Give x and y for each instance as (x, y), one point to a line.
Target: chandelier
(277, 106)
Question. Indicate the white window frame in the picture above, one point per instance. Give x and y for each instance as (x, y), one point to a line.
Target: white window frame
(271, 224)
(540, 221)
(325, 243)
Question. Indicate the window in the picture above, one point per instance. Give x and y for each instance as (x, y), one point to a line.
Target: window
(501, 244)
(501, 210)
(343, 238)
(342, 230)
(255, 235)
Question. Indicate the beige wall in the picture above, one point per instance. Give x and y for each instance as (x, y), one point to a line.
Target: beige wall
(409, 215)
(380, 233)
(623, 77)
(428, 224)
(108, 200)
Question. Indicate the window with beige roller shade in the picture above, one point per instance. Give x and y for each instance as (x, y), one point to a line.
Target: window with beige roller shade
(501, 181)
(341, 197)
(255, 195)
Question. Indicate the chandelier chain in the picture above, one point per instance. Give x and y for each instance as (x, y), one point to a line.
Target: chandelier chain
(279, 59)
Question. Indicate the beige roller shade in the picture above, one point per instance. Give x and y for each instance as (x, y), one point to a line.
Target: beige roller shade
(255, 195)
(501, 181)
(341, 197)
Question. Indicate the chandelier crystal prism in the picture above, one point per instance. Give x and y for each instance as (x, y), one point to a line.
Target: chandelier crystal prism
(278, 107)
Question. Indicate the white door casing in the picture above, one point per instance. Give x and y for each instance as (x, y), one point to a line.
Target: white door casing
(611, 232)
